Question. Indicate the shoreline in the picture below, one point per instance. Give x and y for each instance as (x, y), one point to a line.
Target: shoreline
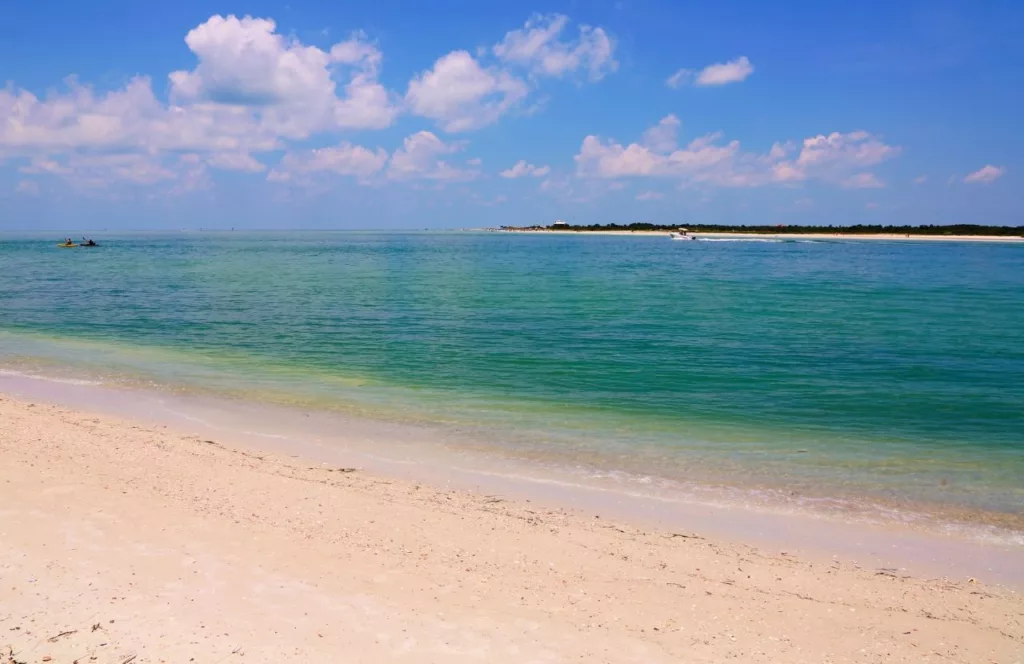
(787, 236)
(879, 534)
(180, 546)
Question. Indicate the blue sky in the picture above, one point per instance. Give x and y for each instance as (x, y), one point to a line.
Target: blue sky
(464, 114)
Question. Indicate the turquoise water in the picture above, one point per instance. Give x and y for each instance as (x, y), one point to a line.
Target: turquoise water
(892, 371)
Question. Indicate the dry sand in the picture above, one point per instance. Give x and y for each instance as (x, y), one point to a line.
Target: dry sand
(127, 543)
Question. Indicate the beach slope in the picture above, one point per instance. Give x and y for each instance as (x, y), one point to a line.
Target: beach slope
(121, 542)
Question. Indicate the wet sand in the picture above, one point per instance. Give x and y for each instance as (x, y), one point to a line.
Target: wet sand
(122, 539)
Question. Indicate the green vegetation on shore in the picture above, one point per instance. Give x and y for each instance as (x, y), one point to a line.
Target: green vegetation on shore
(859, 229)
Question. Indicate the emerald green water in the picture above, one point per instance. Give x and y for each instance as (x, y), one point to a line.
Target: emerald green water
(892, 371)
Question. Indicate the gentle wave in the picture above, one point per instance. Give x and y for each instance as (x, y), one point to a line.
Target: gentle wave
(51, 379)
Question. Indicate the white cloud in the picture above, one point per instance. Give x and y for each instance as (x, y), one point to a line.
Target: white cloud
(662, 136)
(856, 148)
(649, 196)
(985, 175)
(537, 47)
(837, 158)
(419, 158)
(73, 128)
(251, 89)
(125, 119)
(921, 179)
(734, 71)
(343, 159)
(680, 78)
(27, 188)
(522, 169)
(701, 161)
(460, 95)
(244, 62)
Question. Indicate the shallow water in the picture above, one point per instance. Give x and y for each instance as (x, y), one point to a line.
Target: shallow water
(832, 373)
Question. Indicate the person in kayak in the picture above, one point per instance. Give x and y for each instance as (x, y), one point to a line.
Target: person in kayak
(89, 243)
(68, 242)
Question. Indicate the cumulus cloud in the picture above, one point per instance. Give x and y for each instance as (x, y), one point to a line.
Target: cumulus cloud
(701, 160)
(74, 128)
(837, 158)
(245, 62)
(522, 169)
(733, 71)
(343, 159)
(538, 47)
(461, 95)
(251, 90)
(857, 148)
(985, 175)
(462, 92)
(662, 136)
(130, 118)
(420, 158)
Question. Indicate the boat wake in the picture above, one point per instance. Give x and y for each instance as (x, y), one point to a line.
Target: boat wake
(738, 239)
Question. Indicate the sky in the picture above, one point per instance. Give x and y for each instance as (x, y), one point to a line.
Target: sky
(466, 114)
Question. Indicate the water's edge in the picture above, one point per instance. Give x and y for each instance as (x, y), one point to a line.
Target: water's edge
(419, 453)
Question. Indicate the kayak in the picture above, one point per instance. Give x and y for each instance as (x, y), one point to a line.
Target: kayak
(67, 246)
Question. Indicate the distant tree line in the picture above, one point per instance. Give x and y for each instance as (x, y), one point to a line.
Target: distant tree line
(957, 229)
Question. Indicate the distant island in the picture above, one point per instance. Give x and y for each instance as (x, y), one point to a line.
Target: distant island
(975, 230)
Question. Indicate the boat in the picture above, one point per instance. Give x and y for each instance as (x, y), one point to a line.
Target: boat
(64, 245)
(681, 234)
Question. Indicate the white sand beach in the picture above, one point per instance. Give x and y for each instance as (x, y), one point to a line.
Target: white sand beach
(125, 542)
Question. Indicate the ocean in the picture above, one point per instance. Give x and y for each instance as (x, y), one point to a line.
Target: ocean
(871, 378)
